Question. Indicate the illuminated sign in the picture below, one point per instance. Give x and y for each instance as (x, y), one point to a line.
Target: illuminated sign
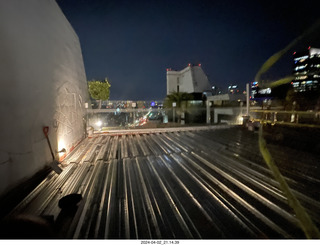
(265, 91)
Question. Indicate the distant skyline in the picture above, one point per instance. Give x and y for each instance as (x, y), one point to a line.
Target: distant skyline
(132, 43)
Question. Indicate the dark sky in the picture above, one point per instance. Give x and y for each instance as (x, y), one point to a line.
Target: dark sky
(133, 42)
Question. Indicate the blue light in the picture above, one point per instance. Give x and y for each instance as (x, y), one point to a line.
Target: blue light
(152, 103)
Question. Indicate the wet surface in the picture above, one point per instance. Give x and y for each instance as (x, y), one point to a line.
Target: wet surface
(190, 184)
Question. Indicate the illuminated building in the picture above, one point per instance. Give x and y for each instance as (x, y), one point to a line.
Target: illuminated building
(191, 79)
(233, 89)
(260, 93)
(306, 70)
(254, 89)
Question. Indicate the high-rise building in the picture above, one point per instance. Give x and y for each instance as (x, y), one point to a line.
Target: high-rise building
(258, 93)
(191, 79)
(306, 70)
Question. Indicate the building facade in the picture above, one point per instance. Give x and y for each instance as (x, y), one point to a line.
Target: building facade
(43, 83)
(306, 70)
(191, 79)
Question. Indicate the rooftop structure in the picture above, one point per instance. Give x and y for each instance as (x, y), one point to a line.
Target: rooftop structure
(191, 79)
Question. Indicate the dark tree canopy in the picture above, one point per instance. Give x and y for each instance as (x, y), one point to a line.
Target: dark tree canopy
(99, 90)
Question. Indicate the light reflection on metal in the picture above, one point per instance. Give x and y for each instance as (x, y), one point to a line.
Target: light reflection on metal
(61, 149)
(153, 179)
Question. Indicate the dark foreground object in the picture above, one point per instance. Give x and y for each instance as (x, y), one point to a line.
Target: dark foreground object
(26, 227)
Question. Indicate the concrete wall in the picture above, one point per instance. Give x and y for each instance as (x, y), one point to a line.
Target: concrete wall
(235, 114)
(200, 80)
(191, 79)
(43, 83)
(172, 81)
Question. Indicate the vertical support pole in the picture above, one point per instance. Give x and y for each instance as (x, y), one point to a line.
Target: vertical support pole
(174, 114)
(174, 104)
(248, 101)
(134, 104)
(208, 112)
(182, 118)
(86, 106)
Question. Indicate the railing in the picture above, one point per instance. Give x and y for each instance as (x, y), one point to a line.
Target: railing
(129, 118)
(300, 118)
(101, 119)
(127, 104)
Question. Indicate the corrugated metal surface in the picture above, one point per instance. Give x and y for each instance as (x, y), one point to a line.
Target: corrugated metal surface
(188, 184)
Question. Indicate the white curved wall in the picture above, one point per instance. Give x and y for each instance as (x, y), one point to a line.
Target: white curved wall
(191, 79)
(43, 83)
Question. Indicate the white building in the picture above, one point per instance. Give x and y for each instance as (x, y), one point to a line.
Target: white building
(43, 83)
(191, 79)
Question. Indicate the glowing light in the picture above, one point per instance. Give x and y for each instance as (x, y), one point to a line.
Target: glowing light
(99, 123)
(61, 148)
(302, 58)
(240, 120)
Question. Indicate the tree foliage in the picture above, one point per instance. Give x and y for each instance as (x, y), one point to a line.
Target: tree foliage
(177, 97)
(99, 90)
(181, 100)
(308, 100)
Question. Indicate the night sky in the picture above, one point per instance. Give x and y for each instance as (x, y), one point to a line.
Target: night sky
(132, 43)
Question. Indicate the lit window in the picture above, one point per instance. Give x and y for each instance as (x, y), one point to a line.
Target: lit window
(303, 57)
(295, 84)
(302, 77)
(300, 67)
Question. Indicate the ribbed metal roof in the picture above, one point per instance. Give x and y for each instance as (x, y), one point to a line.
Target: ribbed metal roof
(183, 184)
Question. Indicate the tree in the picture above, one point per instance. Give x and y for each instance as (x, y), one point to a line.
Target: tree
(177, 97)
(181, 100)
(99, 90)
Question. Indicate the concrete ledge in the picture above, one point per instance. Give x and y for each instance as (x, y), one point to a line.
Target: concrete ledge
(160, 130)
